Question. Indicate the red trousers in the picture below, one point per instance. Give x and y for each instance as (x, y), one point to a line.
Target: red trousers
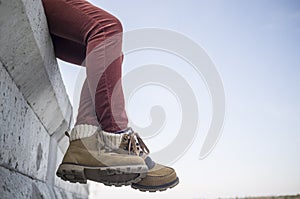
(86, 35)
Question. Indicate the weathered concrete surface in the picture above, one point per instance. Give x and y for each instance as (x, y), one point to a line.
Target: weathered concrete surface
(24, 142)
(34, 107)
(24, 145)
(14, 185)
(27, 51)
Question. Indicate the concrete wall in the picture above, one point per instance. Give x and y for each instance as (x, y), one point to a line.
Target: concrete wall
(34, 107)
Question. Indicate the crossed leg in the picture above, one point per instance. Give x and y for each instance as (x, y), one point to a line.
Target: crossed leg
(93, 37)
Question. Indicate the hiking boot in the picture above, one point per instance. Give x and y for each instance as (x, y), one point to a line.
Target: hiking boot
(159, 177)
(90, 158)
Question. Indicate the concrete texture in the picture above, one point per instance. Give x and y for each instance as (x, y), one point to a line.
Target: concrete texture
(34, 107)
(15, 185)
(24, 142)
(27, 51)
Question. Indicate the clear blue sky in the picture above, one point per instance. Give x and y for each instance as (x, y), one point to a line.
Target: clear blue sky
(255, 46)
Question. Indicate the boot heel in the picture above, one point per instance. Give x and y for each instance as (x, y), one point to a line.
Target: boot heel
(71, 173)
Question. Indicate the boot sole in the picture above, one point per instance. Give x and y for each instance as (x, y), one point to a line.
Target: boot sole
(115, 175)
(163, 187)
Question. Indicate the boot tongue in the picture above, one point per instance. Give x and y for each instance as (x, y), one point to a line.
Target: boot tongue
(149, 162)
(129, 142)
(133, 143)
(136, 144)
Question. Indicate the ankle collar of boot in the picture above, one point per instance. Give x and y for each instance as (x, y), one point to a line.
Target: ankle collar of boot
(83, 131)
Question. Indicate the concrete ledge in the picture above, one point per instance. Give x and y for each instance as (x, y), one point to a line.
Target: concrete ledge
(27, 54)
(34, 107)
(15, 185)
(24, 141)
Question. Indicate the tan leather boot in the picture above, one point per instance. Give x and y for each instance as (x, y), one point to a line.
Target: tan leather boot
(159, 177)
(91, 159)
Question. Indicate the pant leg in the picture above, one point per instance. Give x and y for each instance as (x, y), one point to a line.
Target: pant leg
(101, 33)
(86, 110)
(74, 53)
(68, 50)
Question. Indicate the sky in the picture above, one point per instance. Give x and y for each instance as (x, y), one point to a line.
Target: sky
(255, 48)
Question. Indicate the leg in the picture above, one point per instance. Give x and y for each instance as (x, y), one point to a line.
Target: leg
(74, 52)
(101, 33)
(86, 110)
(68, 50)
(84, 140)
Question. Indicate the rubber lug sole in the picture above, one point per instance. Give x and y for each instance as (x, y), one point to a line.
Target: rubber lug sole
(156, 188)
(110, 176)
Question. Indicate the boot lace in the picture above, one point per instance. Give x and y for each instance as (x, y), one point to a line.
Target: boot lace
(135, 144)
